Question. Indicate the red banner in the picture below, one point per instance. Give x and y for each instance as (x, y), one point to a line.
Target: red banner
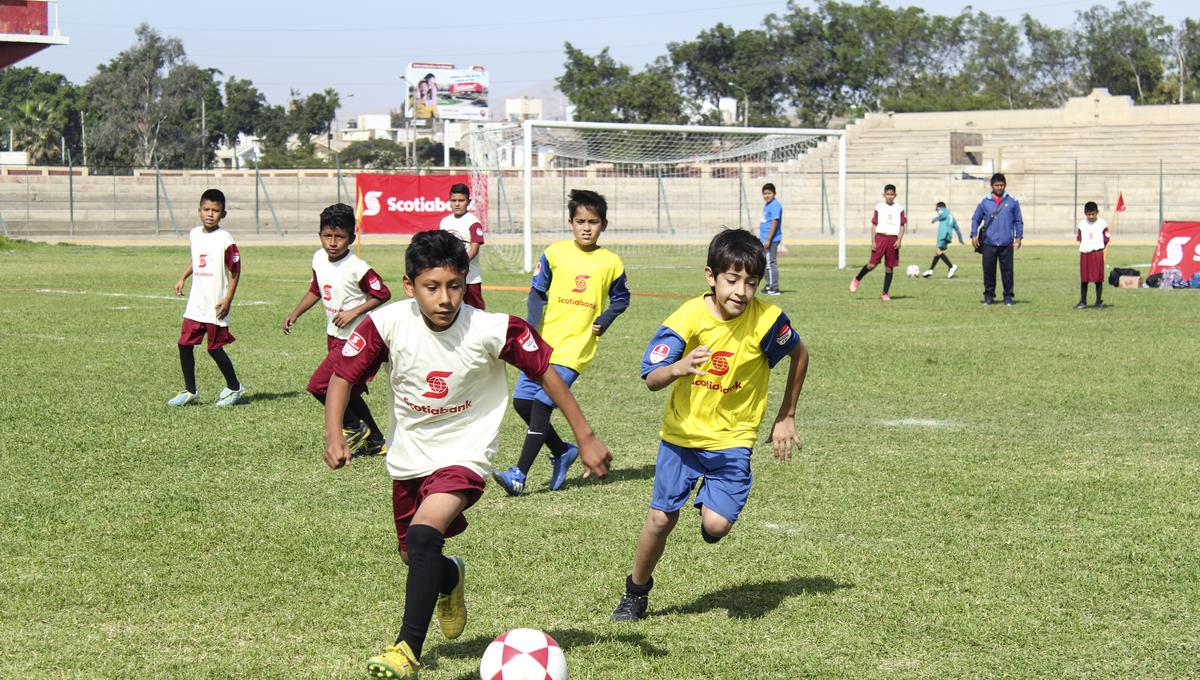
(407, 204)
(1178, 246)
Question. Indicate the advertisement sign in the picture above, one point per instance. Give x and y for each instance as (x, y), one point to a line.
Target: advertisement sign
(1178, 246)
(445, 92)
(407, 204)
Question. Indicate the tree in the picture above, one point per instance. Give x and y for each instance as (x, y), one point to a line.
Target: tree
(995, 63)
(374, 153)
(244, 109)
(1054, 66)
(312, 115)
(722, 62)
(43, 110)
(603, 90)
(1124, 48)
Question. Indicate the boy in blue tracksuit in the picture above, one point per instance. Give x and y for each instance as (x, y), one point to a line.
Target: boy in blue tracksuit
(946, 225)
(1000, 215)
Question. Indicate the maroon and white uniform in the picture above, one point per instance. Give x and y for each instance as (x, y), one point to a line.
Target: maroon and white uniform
(888, 219)
(1092, 237)
(214, 257)
(468, 230)
(449, 388)
(343, 285)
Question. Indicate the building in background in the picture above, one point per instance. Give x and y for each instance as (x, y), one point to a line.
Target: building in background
(26, 28)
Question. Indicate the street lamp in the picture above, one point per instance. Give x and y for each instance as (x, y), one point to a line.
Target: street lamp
(745, 104)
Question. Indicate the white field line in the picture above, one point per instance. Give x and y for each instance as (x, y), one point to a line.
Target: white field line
(919, 422)
(57, 291)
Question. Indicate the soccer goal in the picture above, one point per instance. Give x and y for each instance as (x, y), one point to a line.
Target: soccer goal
(669, 187)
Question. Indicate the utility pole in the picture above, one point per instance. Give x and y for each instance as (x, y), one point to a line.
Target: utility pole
(203, 132)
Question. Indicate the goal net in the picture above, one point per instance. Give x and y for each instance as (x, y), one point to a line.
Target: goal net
(669, 187)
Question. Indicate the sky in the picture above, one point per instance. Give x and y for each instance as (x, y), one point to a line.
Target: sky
(361, 48)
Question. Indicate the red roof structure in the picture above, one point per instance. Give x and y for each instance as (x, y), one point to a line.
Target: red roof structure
(26, 29)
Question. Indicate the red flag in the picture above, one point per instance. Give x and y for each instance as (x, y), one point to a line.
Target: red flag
(1120, 202)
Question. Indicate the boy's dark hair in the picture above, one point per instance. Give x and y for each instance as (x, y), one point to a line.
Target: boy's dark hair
(737, 249)
(461, 188)
(213, 196)
(433, 249)
(769, 187)
(338, 216)
(941, 204)
(1091, 206)
(583, 198)
(889, 187)
(998, 177)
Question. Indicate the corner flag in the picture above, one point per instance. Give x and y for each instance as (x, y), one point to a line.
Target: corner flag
(1120, 202)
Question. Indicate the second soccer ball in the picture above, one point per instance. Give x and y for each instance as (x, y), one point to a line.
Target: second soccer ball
(913, 271)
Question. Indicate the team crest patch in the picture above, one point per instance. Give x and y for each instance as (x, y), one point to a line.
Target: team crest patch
(354, 344)
(537, 268)
(661, 351)
(374, 283)
(784, 335)
(237, 257)
(527, 341)
(720, 363)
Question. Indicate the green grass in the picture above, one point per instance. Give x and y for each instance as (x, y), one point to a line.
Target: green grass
(983, 491)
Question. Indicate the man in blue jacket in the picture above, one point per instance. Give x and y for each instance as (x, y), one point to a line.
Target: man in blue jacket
(1000, 215)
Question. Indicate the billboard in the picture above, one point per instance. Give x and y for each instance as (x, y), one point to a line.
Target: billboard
(406, 204)
(445, 92)
(1178, 246)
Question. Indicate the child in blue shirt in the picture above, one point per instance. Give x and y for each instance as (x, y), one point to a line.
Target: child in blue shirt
(770, 232)
(946, 224)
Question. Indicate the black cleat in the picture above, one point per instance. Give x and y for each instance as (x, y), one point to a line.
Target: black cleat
(631, 608)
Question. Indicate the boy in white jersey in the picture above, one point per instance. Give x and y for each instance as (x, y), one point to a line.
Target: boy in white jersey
(449, 387)
(1092, 234)
(571, 282)
(890, 222)
(216, 268)
(348, 288)
(468, 229)
(718, 350)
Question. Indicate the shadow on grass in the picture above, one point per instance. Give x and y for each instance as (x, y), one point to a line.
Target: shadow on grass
(567, 638)
(252, 397)
(755, 600)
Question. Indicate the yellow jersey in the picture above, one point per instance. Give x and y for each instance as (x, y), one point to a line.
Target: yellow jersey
(723, 408)
(576, 286)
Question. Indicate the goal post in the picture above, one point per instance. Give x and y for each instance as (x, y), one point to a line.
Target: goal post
(669, 187)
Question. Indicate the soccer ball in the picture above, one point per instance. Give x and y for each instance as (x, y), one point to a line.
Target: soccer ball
(523, 654)
(913, 271)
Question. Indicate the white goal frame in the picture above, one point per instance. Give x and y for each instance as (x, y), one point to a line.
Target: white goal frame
(528, 164)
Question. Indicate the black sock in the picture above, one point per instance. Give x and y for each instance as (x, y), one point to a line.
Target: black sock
(187, 361)
(935, 261)
(1099, 287)
(1083, 293)
(540, 432)
(231, 380)
(426, 565)
(862, 272)
(887, 282)
(634, 589)
(363, 412)
(947, 260)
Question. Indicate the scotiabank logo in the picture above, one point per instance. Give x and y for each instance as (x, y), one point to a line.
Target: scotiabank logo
(203, 260)
(784, 335)
(527, 341)
(661, 351)
(1174, 254)
(374, 283)
(720, 363)
(354, 344)
(420, 204)
(438, 389)
(327, 292)
(581, 283)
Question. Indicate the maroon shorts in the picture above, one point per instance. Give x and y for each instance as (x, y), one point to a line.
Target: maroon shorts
(408, 494)
(318, 384)
(474, 295)
(886, 250)
(1091, 266)
(218, 336)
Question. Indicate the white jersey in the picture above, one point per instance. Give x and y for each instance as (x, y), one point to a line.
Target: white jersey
(214, 257)
(468, 230)
(889, 218)
(344, 284)
(449, 388)
(1091, 235)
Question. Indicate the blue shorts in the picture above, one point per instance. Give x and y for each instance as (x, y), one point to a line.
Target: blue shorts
(528, 389)
(726, 474)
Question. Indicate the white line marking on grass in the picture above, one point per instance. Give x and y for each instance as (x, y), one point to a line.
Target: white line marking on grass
(55, 338)
(919, 422)
(57, 291)
(780, 527)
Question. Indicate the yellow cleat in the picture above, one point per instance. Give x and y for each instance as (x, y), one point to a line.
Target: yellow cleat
(452, 608)
(396, 663)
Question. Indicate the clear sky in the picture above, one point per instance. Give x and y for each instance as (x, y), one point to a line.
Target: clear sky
(361, 48)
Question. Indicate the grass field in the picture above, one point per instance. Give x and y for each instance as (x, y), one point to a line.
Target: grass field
(983, 492)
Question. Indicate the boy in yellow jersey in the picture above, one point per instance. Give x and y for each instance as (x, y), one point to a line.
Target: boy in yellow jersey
(723, 345)
(566, 301)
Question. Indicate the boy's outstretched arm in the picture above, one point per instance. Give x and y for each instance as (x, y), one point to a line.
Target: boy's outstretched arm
(303, 306)
(689, 364)
(182, 280)
(594, 454)
(783, 434)
(337, 453)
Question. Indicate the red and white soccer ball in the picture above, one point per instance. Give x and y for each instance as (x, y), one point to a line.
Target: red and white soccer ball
(523, 654)
(913, 271)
